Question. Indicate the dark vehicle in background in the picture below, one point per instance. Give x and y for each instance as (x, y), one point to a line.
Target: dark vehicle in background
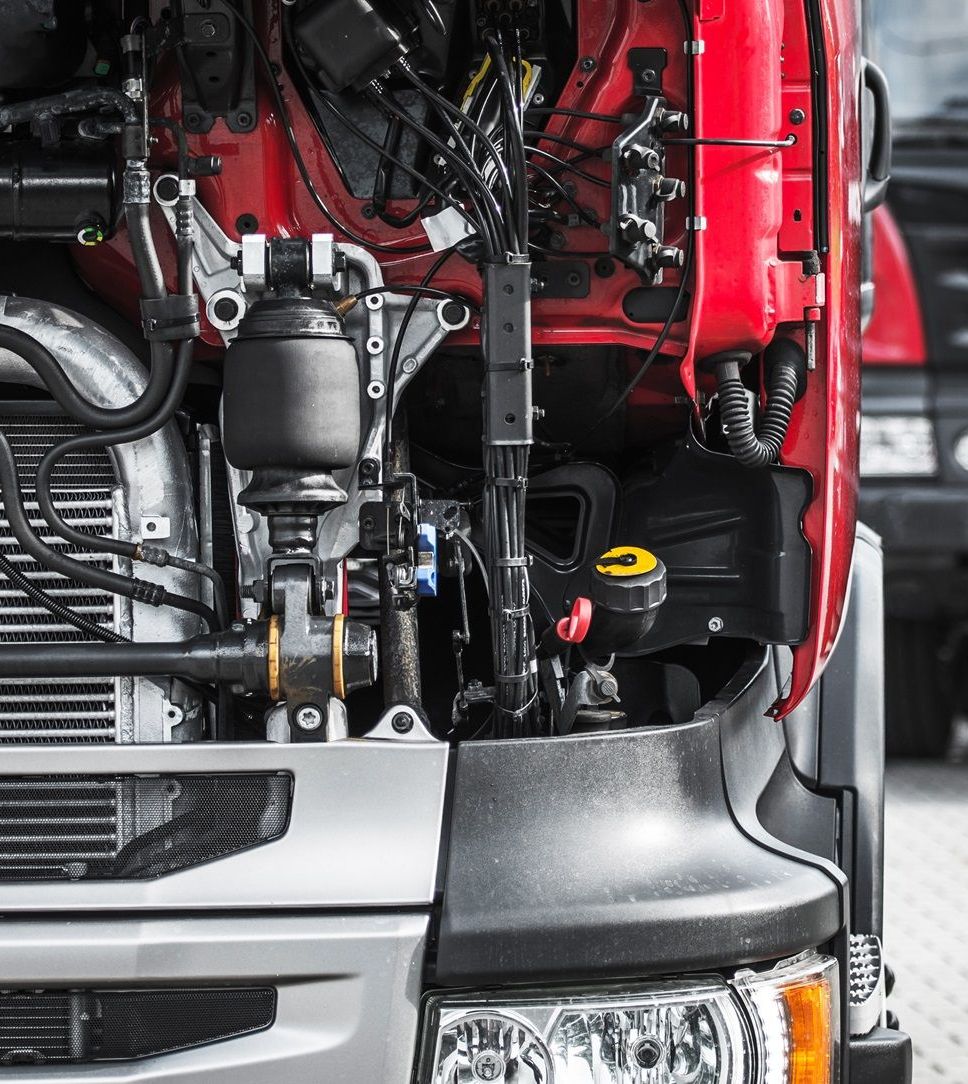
(914, 447)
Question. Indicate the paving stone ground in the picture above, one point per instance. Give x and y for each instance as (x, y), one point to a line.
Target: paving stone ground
(926, 913)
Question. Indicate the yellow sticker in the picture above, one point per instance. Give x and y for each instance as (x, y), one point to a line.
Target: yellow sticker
(626, 561)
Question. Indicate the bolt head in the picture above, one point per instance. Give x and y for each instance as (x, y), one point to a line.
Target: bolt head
(309, 717)
(402, 722)
(716, 624)
(409, 365)
(797, 116)
(608, 686)
(207, 29)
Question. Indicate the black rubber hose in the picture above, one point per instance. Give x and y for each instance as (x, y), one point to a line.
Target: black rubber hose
(138, 220)
(37, 594)
(784, 377)
(117, 546)
(85, 441)
(56, 381)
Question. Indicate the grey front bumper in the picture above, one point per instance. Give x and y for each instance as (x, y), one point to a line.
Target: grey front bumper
(347, 1005)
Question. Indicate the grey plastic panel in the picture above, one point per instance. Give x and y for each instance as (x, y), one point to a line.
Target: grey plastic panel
(364, 829)
(625, 854)
(349, 990)
(852, 734)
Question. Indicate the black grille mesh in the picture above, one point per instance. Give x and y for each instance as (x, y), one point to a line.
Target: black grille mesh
(134, 827)
(41, 1026)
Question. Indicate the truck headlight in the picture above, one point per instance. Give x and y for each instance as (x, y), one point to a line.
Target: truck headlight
(897, 446)
(782, 1023)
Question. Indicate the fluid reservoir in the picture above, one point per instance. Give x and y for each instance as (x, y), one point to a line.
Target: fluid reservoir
(291, 397)
(627, 587)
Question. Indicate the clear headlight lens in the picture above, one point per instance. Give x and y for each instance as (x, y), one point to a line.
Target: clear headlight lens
(897, 446)
(665, 1033)
(774, 1027)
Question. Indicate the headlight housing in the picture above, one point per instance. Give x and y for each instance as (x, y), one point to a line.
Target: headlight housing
(777, 1027)
(897, 446)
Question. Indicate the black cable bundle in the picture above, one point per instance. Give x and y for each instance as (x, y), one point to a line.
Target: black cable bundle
(512, 631)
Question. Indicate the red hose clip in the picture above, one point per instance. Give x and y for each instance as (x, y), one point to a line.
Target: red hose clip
(574, 628)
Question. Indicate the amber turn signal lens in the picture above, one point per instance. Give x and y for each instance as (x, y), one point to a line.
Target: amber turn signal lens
(809, 1012)
(795, 1010)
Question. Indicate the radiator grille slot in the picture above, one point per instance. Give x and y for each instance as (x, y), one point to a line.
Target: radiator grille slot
(38, 1027)
(134, 827)
(58, 710)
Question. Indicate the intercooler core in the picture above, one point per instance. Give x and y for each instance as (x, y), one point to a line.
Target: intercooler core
(58, 710)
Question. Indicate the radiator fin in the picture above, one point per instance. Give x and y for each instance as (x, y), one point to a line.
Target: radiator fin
(57, 710)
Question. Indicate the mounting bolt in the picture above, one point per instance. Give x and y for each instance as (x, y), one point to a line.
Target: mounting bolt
(402, 722)
(797, 116)
(409, 365)
(308, 717)
(587, 63)
(207, 29)
(607, 686)
(369, 472)
(716, 624)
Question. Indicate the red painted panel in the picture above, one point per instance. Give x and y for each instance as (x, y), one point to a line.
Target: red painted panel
(753, 70)
(895, 335)
(826, 423)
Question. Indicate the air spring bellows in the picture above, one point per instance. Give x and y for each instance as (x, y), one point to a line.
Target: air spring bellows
(786, 372)
(291, 389)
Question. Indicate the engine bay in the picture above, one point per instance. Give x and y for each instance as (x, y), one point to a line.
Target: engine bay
(456, 369)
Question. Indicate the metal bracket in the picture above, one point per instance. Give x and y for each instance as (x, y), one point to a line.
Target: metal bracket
(594, 686)
(636, 229)
(217, 68)
(400, 723)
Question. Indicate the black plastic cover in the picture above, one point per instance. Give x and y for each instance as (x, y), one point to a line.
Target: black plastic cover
(883, 1057)
(349, 42)
(732, 542)
(630, 853)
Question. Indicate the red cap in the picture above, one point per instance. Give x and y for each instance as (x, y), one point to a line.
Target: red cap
(574, 628)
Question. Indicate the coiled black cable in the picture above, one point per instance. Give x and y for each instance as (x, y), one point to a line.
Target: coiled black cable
(752, 448)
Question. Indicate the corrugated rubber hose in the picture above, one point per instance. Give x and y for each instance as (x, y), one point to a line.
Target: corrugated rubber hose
(784, 379)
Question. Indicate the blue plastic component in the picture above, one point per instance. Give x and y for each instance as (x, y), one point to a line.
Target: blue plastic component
(426, 560)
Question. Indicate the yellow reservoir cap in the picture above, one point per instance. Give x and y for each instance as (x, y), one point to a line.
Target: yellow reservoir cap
(626, 561)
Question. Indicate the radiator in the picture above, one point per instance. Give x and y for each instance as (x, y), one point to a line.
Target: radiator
(58, 710)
